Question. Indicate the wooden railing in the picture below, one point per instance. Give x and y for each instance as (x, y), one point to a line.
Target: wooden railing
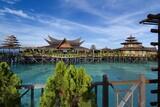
(105, 83)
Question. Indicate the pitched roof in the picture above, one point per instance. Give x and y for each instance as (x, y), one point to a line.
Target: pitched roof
(55, 42)
(131, 40)
(64, 44)
(11, 42)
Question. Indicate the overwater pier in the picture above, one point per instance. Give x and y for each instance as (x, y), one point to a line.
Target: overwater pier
(86, 59)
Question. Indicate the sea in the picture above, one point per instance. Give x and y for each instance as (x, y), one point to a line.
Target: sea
(38, 74)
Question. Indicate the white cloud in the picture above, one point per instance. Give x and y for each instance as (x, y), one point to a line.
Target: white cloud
(10, 1)
(19, 13)
(100, 36)
(111, 35)
(86, 6)
(125, 18)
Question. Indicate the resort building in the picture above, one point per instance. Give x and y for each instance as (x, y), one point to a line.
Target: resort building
(131, 47)
(10, 50)
(62, 44)
(72, 46)
(10, 45)
(73, 51)
(56, 46)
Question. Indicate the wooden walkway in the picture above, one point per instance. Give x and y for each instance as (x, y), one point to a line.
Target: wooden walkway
(85, 59)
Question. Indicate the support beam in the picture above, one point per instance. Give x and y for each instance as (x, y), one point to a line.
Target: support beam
(105, 98)
(142, 91)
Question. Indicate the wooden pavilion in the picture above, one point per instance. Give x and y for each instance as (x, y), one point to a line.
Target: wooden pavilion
(10, 50)
(56, 46)
(10, 45)
(131, 47)
(65, 45)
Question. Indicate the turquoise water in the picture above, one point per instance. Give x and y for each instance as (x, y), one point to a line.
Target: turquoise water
(38, 74)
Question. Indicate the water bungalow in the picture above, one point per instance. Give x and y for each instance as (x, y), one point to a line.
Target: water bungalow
(137, 88)
(11, 43)
(71, 51)
(10, 49)
(64, 46)
(66, 50)
(131, 47)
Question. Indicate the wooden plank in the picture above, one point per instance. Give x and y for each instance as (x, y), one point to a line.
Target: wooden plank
(142, 91)
(124, 82)
(127, 82)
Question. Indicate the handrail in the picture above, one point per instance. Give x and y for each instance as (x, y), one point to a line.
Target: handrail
(105, 90)
(38, 86)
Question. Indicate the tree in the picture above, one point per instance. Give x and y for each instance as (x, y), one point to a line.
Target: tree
(9, 95)
(68, 87)
(93, 47)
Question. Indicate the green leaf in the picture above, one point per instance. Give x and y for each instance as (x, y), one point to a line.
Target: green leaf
(68, 87)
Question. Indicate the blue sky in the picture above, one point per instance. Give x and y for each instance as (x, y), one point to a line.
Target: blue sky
(105, 23)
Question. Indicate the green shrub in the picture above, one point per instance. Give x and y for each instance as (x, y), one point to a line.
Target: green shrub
(68, 87)
(9, 96)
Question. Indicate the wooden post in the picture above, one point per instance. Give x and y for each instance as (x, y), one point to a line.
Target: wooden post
(132, 100)
(117, 99)
(142, 91)
(96, 95)
(105, 96)
(32, 96)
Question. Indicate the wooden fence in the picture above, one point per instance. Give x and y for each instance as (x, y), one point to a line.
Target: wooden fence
(105, 83)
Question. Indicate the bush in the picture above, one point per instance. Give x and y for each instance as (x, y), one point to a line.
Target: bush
(68, 87)
(9, 96)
